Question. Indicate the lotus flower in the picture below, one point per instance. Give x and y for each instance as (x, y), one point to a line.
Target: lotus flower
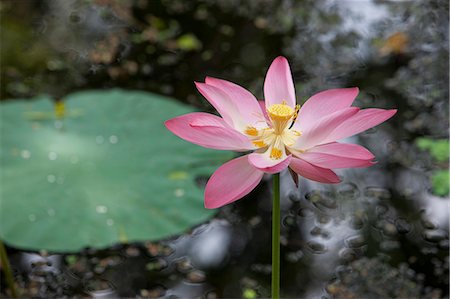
(280, 133)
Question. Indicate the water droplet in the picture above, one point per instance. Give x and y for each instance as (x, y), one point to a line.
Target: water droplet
(314, 195)
(179, 192)
(196, 276)
(349, 190)
(327, 202)
(294, 257)
(51, 178)
(99, 139)
(326, 234)
(99, 269)
(101, 209)
(132, 251)
(184, 265)
(347, 254)
(113, 139)
(26, 154)
(52, 156)
(155, 292)
(254, 221)
(316, 247)
(261, 268)
(51, 212)
(377, 192)
(354, 241)
(388, 228)
(403, 227)
(289, 221)
(358, 221)
(429, 250)
(435, 236)
(388, 245)
(428, 224)
(109, 222)
(294, 196)
(305, 212)
(157, 265)
(32, 217)
(323, 219)
(321, 199)
(444, 245)
(381, 209)
(316, 231)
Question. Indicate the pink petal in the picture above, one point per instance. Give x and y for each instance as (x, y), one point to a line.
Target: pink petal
(232, 181)
(266, 164)
(322, 128)
(322, 104)
(208, 131)
(314, 173)
(344, 150)
(333, 161)
(222, 103)
(278, 85)
(244, 100)
(363, 120)
(262, 104)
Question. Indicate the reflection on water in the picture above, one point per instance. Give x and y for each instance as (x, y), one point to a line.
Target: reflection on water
(382, 233)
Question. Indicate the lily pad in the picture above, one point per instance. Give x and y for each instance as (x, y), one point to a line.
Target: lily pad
(107, 172)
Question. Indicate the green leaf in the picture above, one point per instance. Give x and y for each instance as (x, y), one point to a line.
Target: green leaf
(112, 173)
(439, 148)
(249, 294)
(188, 42)
(440, 182)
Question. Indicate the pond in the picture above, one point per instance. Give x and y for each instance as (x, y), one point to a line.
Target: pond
(99, 200)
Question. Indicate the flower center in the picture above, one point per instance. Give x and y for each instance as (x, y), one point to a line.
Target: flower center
(282, 116)
(276, 137)
(280, 112)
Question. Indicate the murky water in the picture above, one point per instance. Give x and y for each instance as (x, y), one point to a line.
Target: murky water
(382, 233)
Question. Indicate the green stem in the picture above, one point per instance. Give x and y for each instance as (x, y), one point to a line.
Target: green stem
(276, 237)
(7, 270)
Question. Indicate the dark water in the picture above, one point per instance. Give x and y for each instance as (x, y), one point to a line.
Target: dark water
(382, 233)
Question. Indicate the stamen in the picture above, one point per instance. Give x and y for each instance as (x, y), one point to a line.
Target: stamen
(275, 153)
(296, 133)
(281, 112)
(259, 143)
(297, 109)
(251, 131)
